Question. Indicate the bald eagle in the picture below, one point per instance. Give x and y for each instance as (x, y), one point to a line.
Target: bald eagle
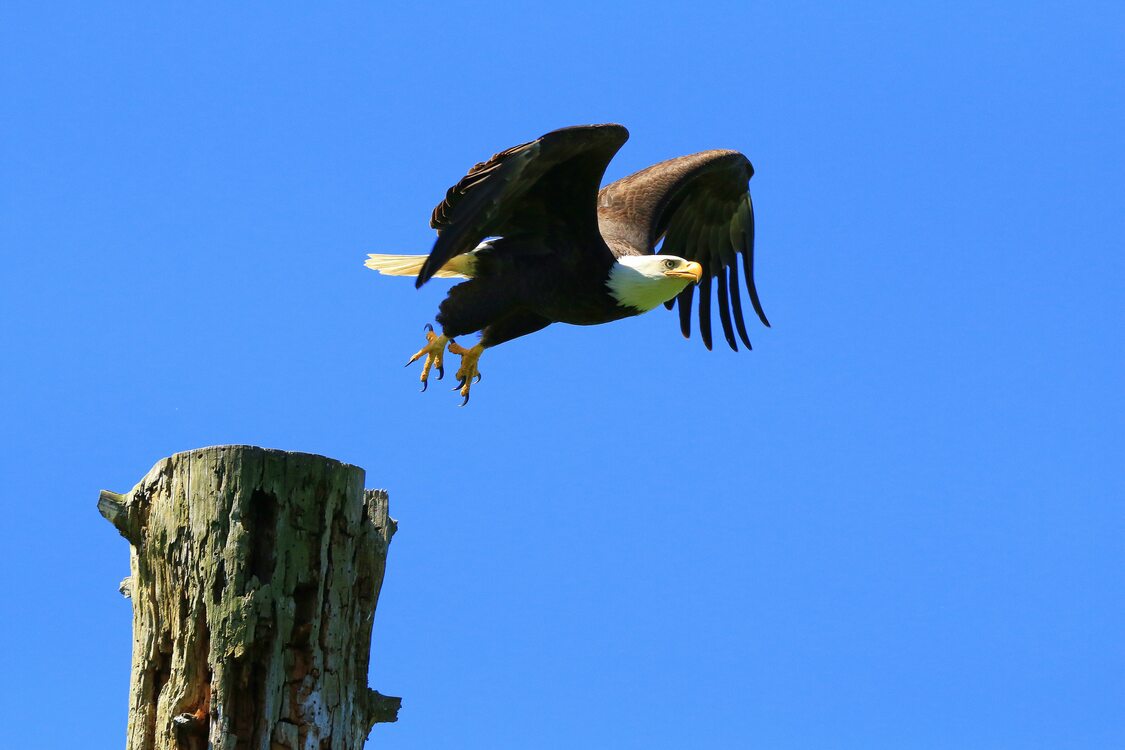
(539, 243)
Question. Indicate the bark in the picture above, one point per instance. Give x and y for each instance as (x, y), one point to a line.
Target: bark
(254, 579)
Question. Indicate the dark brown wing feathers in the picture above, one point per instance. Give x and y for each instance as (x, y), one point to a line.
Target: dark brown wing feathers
(546, 185)
(442, 215)
(700, 205)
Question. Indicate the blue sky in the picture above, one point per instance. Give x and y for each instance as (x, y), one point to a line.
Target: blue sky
(896, 523)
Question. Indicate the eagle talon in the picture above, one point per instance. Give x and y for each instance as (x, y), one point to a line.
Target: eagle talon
(467, 373)
(434, 352)
(428, 328)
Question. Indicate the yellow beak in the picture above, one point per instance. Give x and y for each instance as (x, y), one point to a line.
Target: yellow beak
(692, 271)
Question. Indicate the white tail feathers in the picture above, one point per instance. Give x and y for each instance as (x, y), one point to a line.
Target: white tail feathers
(460, 267)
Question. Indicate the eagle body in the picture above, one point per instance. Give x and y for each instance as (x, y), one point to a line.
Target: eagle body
(539, 241)
(520, 285)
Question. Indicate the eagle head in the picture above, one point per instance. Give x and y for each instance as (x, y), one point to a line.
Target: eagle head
(645, 281)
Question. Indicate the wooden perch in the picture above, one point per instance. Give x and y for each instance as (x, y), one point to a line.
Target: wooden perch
(255, 575)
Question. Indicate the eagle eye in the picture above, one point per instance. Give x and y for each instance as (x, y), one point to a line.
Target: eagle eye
(669, 264)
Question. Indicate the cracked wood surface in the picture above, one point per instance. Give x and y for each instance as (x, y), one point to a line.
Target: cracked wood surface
(254, 579)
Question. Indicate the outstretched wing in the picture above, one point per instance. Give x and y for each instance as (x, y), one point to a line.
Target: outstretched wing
(700, 204)
(549, 185)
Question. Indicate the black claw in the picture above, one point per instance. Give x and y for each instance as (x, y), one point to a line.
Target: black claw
(477, 378)
(460, 384)
(428, 327)
(425, 385)
(440, 372)
(409, 363)
(466, 400)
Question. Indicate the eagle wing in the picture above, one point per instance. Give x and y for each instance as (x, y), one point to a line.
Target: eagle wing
(549, 185)
(700, 205)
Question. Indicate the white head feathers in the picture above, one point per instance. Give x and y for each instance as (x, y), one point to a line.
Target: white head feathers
(645, 281)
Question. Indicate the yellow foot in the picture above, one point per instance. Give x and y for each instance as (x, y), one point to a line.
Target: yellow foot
(468, 369)
(434, 352)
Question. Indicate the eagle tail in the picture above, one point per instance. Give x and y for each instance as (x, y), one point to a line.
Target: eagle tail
(459, 267)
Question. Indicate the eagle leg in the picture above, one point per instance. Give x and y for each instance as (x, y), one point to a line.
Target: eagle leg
(434, 352)
(467, 373)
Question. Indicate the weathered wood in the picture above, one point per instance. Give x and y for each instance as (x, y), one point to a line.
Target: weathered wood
(255, 575)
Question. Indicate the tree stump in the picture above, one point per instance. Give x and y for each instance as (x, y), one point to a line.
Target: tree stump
(254, 579)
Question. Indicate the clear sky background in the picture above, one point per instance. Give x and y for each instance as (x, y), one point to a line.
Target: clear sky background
(898, 522)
